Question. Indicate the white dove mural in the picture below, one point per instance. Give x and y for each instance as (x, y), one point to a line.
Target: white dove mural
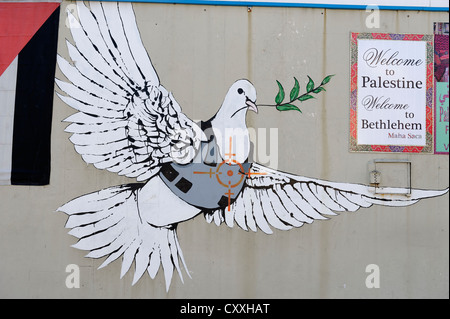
(129, 124)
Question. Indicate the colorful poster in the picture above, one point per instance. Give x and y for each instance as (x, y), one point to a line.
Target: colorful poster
(391, 93)
(441, 135)
(441, 31)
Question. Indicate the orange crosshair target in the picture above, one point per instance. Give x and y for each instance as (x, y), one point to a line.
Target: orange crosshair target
(229, 180)
(230, 174)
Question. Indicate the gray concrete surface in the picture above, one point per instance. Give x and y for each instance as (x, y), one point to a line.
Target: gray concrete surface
(198, 52)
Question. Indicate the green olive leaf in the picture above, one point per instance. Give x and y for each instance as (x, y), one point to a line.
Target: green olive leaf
(280, 96)
(319, 89)
(326, 79)
(310, 85)
(295, 90)
(305, 97)
(288, 107)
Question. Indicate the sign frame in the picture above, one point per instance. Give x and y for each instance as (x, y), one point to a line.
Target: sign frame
(429, 89)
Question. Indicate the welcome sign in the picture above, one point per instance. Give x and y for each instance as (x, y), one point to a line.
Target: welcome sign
(391, 93)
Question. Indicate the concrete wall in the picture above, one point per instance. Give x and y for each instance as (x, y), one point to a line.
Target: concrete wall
(198, 51)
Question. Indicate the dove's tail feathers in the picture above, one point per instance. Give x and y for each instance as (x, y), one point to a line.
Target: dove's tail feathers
(108, 224)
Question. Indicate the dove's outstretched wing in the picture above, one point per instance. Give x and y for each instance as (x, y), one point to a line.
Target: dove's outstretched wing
(127, 122)
(272, 198)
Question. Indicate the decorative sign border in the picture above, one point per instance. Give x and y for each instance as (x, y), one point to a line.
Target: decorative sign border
(354, 146)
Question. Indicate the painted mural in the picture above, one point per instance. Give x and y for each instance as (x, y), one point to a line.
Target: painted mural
(128, 123)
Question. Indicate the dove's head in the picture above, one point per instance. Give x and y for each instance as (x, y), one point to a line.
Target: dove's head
(229, 125)
(240, 97)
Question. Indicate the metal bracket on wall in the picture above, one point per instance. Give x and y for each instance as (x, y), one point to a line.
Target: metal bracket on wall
(390, 176)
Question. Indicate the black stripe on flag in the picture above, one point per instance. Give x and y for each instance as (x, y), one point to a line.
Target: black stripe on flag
(34, 105)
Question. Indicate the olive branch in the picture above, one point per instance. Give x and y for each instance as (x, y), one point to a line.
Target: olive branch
(295, 94)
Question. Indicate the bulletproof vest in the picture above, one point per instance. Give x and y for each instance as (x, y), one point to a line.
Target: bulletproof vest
(208, 181)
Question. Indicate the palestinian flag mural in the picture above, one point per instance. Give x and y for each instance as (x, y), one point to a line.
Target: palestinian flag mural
(28, 43)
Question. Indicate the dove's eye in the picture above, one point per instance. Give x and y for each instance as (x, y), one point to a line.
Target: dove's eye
(240, 91)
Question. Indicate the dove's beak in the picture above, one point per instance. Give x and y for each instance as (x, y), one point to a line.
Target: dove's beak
(252, 106)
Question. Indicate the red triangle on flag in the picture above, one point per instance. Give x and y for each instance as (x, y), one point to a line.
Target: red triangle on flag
(18, 23)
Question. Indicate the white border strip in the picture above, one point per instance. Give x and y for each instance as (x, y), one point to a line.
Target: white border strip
(8, 97)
